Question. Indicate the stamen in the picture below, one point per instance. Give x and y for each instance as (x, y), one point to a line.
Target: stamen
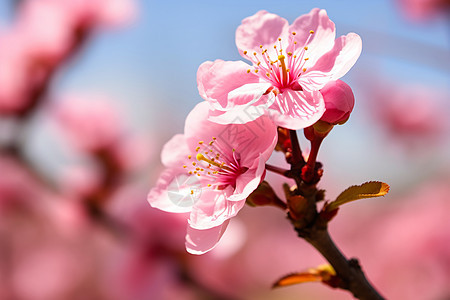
(212, 162)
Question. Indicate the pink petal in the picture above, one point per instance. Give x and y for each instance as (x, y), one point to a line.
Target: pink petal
(213, 209)
(172, 191)
(297, 109)
(338, 61)
(249, 181)
(241, 114)
(324, 33)
(248, 94)
(175, 151)
(262, 28)
(216, 79)
(202, 241)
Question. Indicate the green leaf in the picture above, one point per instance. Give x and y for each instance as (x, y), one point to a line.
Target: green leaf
(369, 189)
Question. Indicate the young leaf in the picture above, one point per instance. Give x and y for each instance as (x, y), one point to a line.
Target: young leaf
(322, 273)
(369, 189)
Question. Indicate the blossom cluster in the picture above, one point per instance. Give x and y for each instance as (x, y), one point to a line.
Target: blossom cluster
(292, 82)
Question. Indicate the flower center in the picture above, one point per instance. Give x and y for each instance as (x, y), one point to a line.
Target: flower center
(216, 164)
(284, 70)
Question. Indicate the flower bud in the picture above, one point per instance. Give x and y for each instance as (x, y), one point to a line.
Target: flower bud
(339, 102)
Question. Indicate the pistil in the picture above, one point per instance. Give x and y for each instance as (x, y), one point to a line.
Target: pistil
(284, 69)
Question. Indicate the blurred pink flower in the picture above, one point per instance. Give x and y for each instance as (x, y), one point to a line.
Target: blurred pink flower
(230, 164)
(108, 13)
(412, 245)
(13, 74)
(290, 65)
(339, 102)
(46, 33)
(47, 28)
(92, 123)
(413, 114)
(424, 9)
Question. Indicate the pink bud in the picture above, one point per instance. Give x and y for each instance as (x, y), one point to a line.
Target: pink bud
(339, 102)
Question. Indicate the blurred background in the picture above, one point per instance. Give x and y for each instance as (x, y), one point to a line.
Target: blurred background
(90, 90)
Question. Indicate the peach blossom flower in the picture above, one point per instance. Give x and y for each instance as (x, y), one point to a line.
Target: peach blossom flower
(211, 170)
(290, 64)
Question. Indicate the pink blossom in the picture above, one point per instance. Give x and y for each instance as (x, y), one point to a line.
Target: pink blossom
(92, 123)
(290, 64)
(423, 9)
(211, 170)
(339, 102)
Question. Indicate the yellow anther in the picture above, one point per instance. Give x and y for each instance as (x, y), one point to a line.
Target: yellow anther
(294, 33)
(198, 174)
(274, 46)
(194, 163)
(304, 69)
(206, 152)
(190, 172)
(197, 169)
(196, 149)
(214, 138)
(195, 172)
(212, 162)
(254, 53)
(267, 74)
(260, 46)
(306, 48)
(184, 166)
(295, 56)
(279, 39)
(306, 58)
(200, 143)
(192, 192)
(289, 53)
(256, 71)
(210, 151)
(245, 52)
(210, 143)
(295, 43)
(258, 63)
(189, 156)
(248, 71)
(311, 31)
(208, 184)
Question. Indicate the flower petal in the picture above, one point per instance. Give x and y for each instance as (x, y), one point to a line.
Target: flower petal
(216, 79)
(172, 192)
(323, 37)
(175, 151)
(242, 114)
(297, 109)
(213, 209)
(263, 28)
(248, 182)
(202, 241)
(341, 58)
